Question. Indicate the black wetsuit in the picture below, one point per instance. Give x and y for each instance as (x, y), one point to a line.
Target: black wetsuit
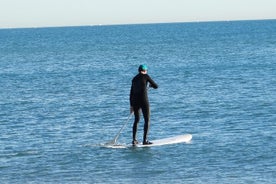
(139, 100)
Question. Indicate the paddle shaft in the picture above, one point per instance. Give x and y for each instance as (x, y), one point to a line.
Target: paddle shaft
(118, 134)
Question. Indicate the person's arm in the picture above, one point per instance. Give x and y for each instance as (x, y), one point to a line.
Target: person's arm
(131, 100)
(152, 83)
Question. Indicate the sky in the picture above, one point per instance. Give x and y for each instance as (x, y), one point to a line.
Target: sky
(55, 13)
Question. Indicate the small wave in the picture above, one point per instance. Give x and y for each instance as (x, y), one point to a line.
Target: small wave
(107, 145)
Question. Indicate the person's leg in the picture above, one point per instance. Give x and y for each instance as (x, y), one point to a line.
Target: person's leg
(146, 114)
(135, 124)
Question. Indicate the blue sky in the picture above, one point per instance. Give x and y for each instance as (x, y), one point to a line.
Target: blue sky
(48, 13)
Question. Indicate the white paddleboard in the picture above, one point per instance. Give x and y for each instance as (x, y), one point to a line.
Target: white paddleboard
(185, 138)
(170, 140)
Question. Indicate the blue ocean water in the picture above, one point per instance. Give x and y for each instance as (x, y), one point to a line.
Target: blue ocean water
(65, 90)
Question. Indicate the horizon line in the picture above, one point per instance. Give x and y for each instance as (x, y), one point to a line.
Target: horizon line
(125, 24)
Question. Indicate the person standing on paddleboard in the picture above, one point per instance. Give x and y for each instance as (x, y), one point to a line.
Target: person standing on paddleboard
(139, 100)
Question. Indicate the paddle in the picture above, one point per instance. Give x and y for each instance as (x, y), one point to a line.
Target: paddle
(118, 134)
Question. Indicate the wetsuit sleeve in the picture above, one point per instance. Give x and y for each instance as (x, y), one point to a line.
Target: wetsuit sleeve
(131, 96)
(152, 83)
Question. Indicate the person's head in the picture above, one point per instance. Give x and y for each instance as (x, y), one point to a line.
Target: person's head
(143, 69)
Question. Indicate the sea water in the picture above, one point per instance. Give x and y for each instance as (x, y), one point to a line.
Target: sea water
(65, 91)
